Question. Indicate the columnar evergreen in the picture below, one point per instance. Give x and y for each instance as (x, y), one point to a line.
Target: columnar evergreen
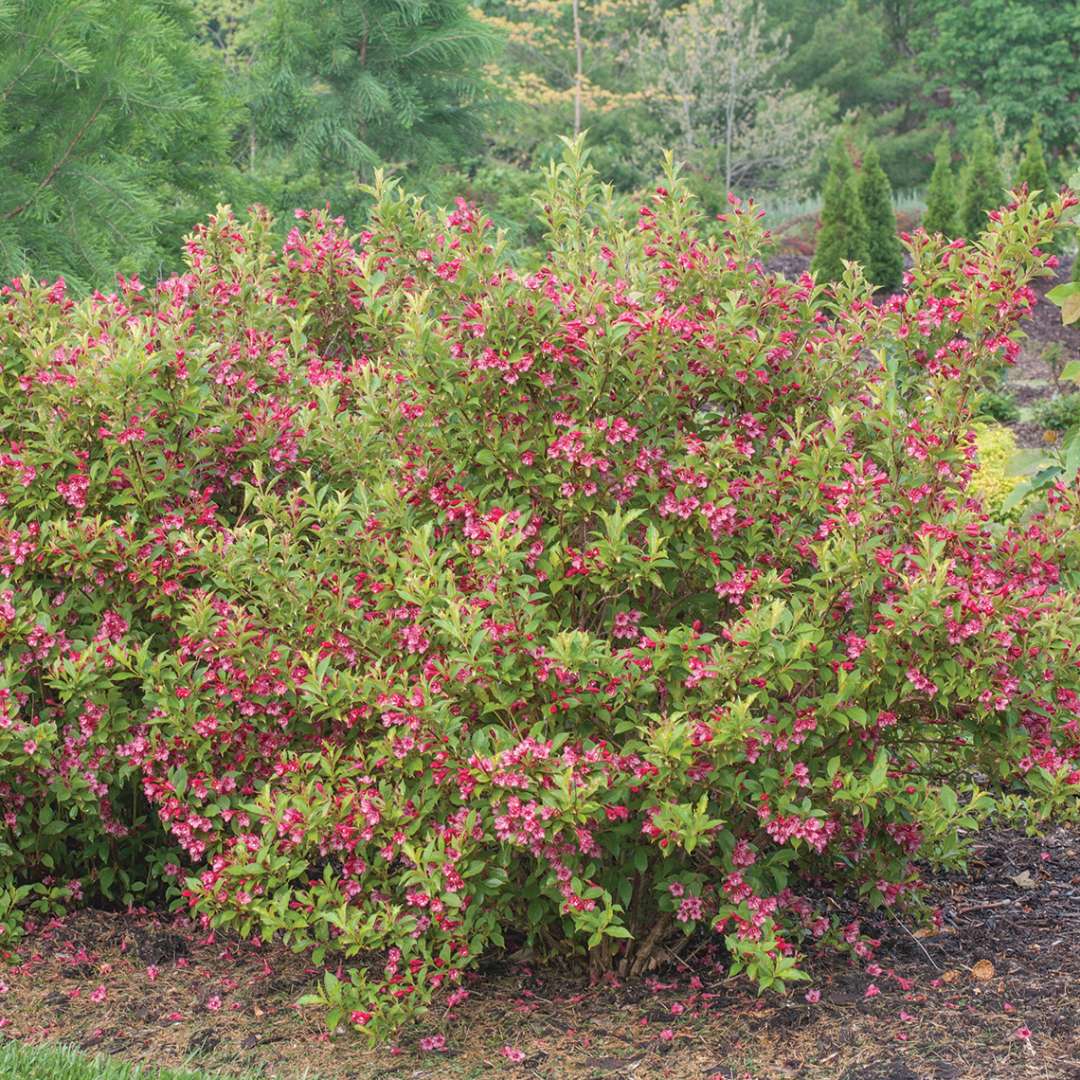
(981, 183)
(843, 233)
(1032, 170)
(941, 205)
(885, 265)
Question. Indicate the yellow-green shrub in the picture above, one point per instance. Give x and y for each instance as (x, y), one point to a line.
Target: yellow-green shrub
(995, 449)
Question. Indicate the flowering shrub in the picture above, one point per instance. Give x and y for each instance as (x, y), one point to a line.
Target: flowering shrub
(377, 596)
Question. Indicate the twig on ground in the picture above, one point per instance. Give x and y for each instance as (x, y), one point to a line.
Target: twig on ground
(917, 942)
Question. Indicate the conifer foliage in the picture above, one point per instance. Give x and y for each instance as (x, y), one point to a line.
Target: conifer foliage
(885, 257)
(111, 134)
(344, 87)
(981, 183)
(1032, 170)
(843, 234)
(941, 205)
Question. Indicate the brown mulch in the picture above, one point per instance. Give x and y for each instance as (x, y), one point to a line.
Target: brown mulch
(994, 993)
(1030, 381)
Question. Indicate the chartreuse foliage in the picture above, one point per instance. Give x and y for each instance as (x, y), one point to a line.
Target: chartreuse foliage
(373, 596)
(996, 450)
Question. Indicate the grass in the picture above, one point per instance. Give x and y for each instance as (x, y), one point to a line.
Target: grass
(19, 1061)
(781, 209)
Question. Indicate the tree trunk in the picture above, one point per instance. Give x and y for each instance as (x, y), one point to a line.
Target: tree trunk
(730, 123)
(579, 62)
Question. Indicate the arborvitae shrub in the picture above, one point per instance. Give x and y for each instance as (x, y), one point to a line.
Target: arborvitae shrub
(941, 203)
(375, 596)
(885, 256)
(843, 233)
(981, 183)
(1032, 169)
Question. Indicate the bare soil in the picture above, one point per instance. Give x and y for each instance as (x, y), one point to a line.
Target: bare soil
(1030, 382)
(993, 994)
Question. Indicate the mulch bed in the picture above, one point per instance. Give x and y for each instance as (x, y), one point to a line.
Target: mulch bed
(995, 993)
(1030, 381)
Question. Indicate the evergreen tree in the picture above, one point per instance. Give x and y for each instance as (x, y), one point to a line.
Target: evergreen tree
(111, 136)
(344, 87)
(981, 183)
(941, 207)
(885, 256)
(1014, 60)
(843, 232)
(1032, 170)
(850, 50)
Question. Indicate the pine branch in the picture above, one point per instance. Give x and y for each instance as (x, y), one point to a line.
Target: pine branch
(51, 174)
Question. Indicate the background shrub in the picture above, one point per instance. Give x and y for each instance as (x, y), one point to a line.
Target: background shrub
(1032, 170)
(1059, 413)
(998, 405)
(941, 203)
(885, 257)
(981, 183)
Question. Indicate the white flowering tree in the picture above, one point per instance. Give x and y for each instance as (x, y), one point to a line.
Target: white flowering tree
(711, 68)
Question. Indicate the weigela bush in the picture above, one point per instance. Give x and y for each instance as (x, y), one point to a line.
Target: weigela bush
(375, 596)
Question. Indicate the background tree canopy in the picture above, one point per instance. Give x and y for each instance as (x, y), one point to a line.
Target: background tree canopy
(123, 122)
(113, 134)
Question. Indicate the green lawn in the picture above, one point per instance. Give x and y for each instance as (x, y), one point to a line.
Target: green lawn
(21, 1062)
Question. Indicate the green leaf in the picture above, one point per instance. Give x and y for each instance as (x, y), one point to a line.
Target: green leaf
(178, 778)
(1071, 371)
